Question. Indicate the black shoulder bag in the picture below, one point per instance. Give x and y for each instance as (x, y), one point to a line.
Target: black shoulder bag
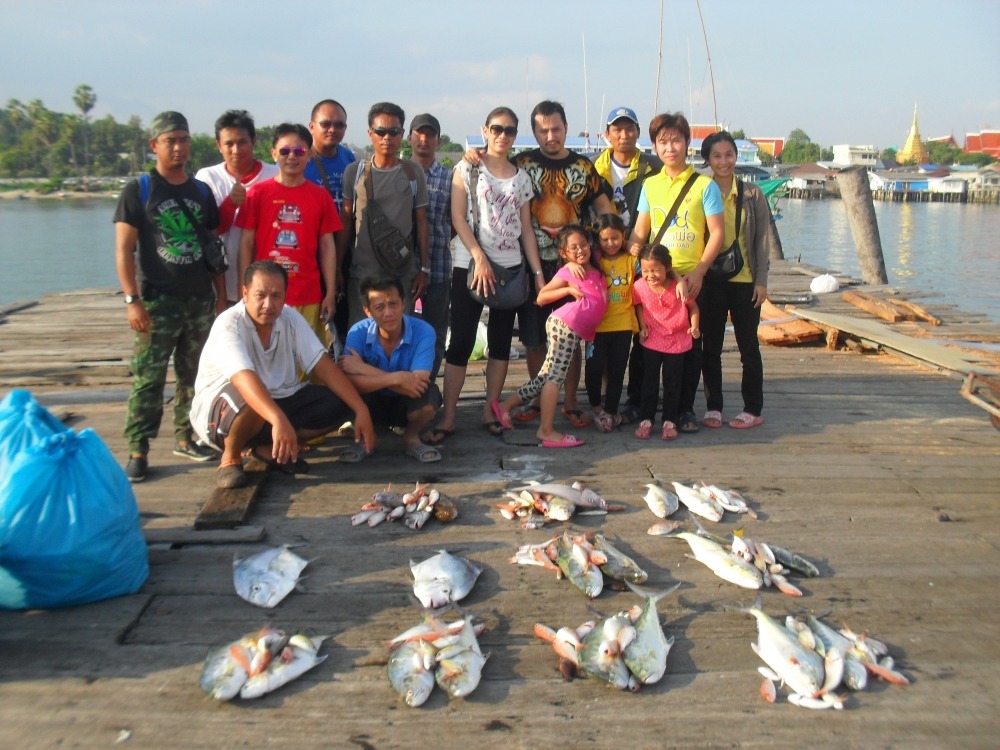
(391, 249)
(729, 262)
(213, 249)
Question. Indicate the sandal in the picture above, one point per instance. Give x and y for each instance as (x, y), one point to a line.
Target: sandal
(353, 454)
(526, 413)
(436, 436)
(502, 418)
(425, 454)
(669, 431)
(712, 419)
(577, 418)
(567, 441)
(644, 430)
(688, 422)
(603, 422)
(745, 420)
(494, 428)
(629, 414)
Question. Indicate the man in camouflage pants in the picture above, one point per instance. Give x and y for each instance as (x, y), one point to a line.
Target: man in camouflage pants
(157, 254)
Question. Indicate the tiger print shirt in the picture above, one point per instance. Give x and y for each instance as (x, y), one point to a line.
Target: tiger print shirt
(563, 190)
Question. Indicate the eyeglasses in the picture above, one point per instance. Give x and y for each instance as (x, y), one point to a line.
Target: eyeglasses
(286, 150)
(332, 124)
(391, 132)
(510, 131)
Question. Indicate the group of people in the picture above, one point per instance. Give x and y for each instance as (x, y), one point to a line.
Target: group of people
(330, 254)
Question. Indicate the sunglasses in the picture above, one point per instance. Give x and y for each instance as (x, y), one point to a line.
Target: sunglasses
(332, 124)
(286, 150)
(391, 132)
(510, 131)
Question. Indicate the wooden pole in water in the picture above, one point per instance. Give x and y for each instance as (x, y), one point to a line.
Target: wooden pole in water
(857, 197)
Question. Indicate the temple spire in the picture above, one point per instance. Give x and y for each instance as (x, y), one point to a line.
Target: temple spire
(913, 150)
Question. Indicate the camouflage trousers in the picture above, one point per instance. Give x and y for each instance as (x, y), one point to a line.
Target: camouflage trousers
(179, 326)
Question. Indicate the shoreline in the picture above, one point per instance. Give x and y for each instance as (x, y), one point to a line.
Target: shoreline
(12, 195)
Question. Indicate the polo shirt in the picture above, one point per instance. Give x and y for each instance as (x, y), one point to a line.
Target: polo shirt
(415, 351)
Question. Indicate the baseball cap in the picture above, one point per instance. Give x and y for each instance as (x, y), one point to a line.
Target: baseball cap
(619, 112)
(425, 121)
(167, 121)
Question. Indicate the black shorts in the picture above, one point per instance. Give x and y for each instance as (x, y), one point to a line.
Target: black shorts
(392, 410)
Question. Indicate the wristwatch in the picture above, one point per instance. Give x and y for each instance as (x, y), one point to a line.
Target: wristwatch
(425, 269)
(130, 298)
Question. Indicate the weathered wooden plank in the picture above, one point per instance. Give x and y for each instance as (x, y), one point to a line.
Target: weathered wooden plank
(228, 508)
(185, 536)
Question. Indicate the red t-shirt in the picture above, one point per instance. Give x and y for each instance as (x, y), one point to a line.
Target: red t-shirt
(289, 222)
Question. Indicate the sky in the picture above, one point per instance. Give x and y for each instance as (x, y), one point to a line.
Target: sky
(844, 72)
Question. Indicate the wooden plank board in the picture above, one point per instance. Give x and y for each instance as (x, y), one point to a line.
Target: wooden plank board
(228, 508)
(185, 535)
(877, 307)
(936, 354)
(780, 328)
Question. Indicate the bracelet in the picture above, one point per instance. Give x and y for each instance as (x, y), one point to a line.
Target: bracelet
(425, 269)
(537, 273)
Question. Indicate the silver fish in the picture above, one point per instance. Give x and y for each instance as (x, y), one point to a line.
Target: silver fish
(646, 655)
(559, 490)
(574, 561)
(796, 562)
(722, 562)
(443, 578)
(411, 670)
(619, 566)
(460, 664)
(705, 507)
(661, 501)
(600, 656)
(799, 667)
(297, 658)
(266, 578)
(227, 669)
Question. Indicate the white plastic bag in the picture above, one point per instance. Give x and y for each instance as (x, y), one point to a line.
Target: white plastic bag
(824, 284)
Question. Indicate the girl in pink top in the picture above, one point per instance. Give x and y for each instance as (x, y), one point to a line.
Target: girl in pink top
(665, 332)
(576, 320)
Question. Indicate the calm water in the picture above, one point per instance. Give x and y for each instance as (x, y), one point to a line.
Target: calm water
(950, 251)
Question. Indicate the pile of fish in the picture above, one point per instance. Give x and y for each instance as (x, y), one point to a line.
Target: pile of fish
(626, 650)
(268, 577)
(443, 579)
(258, 663)
(813, 660)
(583, 559)
(705, 500)
(537, 504)
(747, 562)
(414, 507)
(434, 652)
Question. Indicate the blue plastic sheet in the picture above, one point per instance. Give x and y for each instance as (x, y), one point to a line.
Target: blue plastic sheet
(23, 423)
(69, 526)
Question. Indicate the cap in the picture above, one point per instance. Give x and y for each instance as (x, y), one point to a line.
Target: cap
(167, 121)
(425, 121)
(619, 112)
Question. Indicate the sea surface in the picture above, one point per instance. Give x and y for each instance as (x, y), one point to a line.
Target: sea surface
(949, 252)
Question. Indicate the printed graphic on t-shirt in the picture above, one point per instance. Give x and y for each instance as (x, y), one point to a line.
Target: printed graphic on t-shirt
(679, 235)
(178, 241)
(289, 214)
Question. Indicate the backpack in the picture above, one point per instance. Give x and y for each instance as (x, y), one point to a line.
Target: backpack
(144, 188)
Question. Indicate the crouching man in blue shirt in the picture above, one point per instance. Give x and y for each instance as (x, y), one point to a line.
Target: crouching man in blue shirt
(388, 357)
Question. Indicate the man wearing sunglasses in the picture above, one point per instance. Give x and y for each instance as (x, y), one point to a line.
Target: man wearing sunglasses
(399, 188)
(425, 140)
(291, 221)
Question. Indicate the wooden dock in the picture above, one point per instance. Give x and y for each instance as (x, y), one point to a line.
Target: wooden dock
(870, 464)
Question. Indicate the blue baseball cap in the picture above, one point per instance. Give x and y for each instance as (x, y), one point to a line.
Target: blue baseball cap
(619, 112)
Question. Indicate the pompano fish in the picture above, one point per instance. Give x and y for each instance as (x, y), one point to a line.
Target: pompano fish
(706, 507)
(266, 578)
(619, 566)
(661, 501)
(227, 669)
(600, 656)
(722, 562)
(443, 578)
(411, 670)
(559, 490)
(730, 500)
(460, 665)
(297, 658)
(646, 655)
(574, 561)
(779, 648)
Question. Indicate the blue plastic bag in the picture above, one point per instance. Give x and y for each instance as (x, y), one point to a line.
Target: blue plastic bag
(69, 526)
(23, 423)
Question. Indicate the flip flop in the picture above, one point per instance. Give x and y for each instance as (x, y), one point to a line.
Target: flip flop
(568, 441)
(745, 420)
(688, 422)
(494, 428)
(712, 419)
(425, 454)
(577, 418)
(353, 454)
(503, 419)
(526, 413)
(231, 476)
(439, 435)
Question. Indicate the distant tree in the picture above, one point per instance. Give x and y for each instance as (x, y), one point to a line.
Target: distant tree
(738, 134)
(798, 135)
(942, 153)
(84, 98)
(980, 160)
(204, 152)
(799, 149)
(826, 154)
(262, 151)
(888, 156)
(447, 163)
(766, 160)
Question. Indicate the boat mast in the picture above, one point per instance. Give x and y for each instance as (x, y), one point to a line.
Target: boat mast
(715, 106)
(659, 64)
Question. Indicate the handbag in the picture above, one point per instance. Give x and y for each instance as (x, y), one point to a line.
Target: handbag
(510, 289)
(213, 249)
(390, 247)
(730, 262)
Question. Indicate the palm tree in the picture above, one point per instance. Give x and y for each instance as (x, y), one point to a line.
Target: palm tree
(84, 98)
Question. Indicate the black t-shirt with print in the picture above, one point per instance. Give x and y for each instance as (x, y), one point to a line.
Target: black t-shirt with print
(168, 256)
